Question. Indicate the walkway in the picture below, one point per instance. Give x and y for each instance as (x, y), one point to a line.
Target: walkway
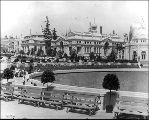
(19, 111)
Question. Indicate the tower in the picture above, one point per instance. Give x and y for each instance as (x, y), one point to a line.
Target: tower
(93, 27)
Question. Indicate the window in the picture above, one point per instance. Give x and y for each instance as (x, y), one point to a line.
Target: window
(143, 54)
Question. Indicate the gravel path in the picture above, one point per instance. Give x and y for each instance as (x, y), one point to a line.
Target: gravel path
(14, 110)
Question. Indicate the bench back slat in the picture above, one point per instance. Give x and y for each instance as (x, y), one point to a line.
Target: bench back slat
(83, 98)
(53, 95)
(133, 99)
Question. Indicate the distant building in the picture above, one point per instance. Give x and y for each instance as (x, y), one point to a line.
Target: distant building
(37, 42)
(92, 41)
(10, 44)
(137, 47)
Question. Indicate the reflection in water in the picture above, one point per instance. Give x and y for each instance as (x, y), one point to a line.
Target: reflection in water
(135, 81)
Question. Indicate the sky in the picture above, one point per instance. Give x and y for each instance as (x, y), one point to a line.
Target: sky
(21, 17)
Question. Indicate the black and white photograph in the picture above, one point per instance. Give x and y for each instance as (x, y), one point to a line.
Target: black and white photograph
(74, 60)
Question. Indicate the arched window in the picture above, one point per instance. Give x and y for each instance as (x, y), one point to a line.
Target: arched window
(143, 54)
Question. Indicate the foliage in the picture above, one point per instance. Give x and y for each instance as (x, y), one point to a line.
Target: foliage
(112, 57)
(54, 34)
(31, 60)
(40, 52)
(119, 47)
(32, 51)
(30, 69)
(12, 67)
(73, 55)
(106, 46)
(111, 82)
(21, 52)
(92, 56)
(47, 76)
(8, 74)
(28, 52)
(65, 55)
(16, 60)
(60, 54)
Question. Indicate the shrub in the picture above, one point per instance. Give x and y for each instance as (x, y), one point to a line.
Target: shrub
(47, 76)
(111, 82)
(8, 74)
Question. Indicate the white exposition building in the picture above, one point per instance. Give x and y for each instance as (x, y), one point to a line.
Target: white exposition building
(137, 47)
(84, 43)
(92, 41)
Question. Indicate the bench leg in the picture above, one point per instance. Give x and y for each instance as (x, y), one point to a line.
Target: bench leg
(56, 107)
(67, 110)
(34, 103)
(90, 112)
(6, 99)
(20, 101)
(116, 115)
(38, 104)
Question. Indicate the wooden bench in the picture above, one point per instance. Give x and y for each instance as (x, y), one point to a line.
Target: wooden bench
(132, 105)
(6, 92)
(83, 101)
(53, 98)
(31, 94)
(17, 90)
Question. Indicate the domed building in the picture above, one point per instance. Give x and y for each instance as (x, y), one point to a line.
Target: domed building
(137, 47)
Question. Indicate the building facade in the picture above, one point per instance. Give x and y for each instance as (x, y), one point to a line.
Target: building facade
(137, 47)
(92, 41)
(37, 42)
(11, 44)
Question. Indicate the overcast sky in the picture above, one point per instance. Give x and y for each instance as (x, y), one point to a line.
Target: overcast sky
(18, 17)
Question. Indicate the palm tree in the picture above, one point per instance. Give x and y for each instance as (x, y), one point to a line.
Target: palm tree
(8, 74)
(47, 76)
(111, 82)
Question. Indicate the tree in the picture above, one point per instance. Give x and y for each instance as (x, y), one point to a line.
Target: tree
(54, 34)
(98, 58)
(49, 51)
(47, 76)
(47, 36)
(111, 82)
(60, 54)
(31, 60)
(112, 57)
(22, 52)
(12, 67)
(73, 55)
(106, 46)
(28, 52)
(65, 55)
(92, 56)
(53, 52)
(8, 74)
(16, 60)
(32, 51)
(30, 69)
